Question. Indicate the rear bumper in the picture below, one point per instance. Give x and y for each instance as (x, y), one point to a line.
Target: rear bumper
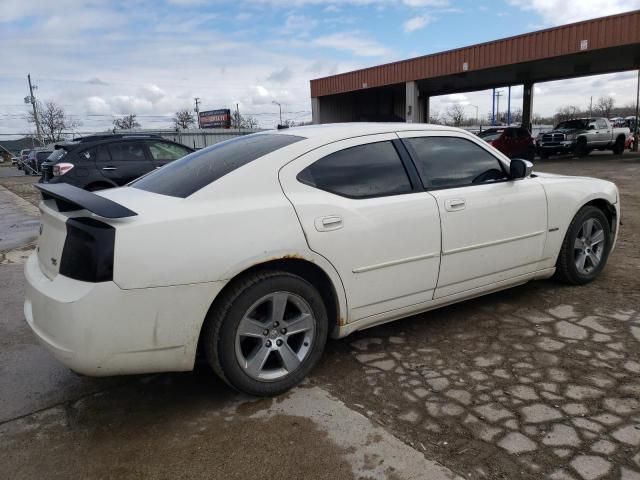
(98, 329)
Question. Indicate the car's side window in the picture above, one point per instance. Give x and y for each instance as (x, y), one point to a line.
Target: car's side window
(166, 151)
(602, 125)
(102, 154)
(126, 151)
(363, 171)
(445, 162)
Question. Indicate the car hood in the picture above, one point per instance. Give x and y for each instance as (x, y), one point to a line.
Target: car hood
(566, 131)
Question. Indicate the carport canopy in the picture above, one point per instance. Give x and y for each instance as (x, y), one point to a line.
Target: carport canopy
(400, 91)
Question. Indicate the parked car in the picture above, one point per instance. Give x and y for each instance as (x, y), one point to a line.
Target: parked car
(36, 158)
(14, 160)
(23, 158)
(581, 136)
(514, 142)
(254, 250)
(105, 161)
(629, 142)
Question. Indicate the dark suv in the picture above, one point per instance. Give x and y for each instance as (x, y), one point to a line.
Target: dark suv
(105, 161)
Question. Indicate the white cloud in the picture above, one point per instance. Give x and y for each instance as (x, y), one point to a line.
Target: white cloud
(354, 43)
(280, 76)
(426, 3)
(558, 12)
(416, 23)
(299, 23)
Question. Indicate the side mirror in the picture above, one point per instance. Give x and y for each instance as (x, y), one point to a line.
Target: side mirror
(519, 168)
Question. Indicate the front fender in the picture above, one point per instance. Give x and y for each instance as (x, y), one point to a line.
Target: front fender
(565, 197)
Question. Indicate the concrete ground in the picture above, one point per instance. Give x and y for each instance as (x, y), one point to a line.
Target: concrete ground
(540, 381)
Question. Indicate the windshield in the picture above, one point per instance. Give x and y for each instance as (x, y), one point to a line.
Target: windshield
(189, 174)
(573, 125)
(42, 155)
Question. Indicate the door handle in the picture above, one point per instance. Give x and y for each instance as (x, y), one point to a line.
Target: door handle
(108, 169)
(455, 204)
(328, 223)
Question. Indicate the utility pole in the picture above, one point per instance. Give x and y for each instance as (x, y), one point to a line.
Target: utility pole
(590, 106)
(197, 110)
(280, 107)
(32, 99)
(498, 95)
(509, 107)
(493, 107)
(637, 136)
(238, 116)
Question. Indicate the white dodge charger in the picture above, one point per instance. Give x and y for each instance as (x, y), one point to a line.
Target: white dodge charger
(254, 250)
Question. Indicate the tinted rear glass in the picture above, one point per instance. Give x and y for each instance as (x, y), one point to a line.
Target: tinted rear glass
(189, 174)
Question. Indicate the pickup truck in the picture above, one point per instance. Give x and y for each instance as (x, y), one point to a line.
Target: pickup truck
(581, 136)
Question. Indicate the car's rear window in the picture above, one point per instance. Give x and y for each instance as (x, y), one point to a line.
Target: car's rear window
(189, 174)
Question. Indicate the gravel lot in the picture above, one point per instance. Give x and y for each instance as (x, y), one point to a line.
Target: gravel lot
(541, 381)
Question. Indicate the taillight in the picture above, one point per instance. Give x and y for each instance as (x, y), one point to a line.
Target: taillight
(87, 254)
(61, 168)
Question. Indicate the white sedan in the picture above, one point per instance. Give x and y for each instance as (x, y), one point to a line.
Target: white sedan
(254, 250)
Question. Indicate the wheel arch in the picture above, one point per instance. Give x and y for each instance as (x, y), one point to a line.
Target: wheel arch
(607, 208)
(314, 269)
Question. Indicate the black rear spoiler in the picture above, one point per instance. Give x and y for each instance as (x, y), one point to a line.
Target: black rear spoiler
(69, 198)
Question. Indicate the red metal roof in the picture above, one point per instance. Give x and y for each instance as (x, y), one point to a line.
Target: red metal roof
(605, 32)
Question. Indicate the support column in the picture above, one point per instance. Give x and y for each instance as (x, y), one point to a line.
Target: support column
(315, 110)
(426, 109)
(412, 103)
(527, 105)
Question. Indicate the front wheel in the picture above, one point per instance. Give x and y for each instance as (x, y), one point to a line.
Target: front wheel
(266, 333)
(585, 248)
(618, 147)
(581, 147)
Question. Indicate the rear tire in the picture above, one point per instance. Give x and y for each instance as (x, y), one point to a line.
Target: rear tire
(618, 147)
(266, 333)
(585, 248)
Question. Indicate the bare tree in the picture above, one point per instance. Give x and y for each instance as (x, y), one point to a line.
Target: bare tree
(289, 123)
(604, 105)
(243, 122)
(516, 116)
(568, 112)
(184, 118)
(126, 123)
(455, 114)
(53, 121)
(434, 117)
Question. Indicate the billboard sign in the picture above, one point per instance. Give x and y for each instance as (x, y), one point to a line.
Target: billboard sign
(216, 118)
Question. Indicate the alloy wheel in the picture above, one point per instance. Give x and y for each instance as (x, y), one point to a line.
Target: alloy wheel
(589, 246)
(274, 336)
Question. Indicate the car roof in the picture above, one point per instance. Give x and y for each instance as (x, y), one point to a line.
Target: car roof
(339, 131)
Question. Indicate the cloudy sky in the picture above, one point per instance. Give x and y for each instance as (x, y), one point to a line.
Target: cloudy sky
(104, 59)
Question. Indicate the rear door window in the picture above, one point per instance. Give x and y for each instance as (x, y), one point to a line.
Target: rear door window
(189, 174)
(364, 171)
(127, 152)
(102, 154)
